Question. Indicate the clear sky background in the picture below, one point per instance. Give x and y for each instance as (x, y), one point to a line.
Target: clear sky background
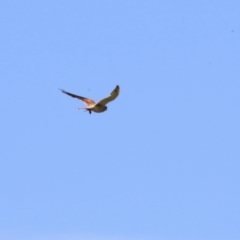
(162, 162)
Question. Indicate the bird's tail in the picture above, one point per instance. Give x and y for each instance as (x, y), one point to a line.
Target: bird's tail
(81, 109)
(84, 109)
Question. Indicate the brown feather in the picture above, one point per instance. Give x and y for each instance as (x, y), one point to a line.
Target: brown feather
(86, 100)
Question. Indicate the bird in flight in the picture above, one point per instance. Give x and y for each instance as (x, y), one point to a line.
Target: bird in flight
(98, 107)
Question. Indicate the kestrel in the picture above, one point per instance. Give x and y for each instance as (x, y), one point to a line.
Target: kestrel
(91, 105)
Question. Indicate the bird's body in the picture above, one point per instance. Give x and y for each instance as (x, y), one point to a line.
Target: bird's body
(91, 105)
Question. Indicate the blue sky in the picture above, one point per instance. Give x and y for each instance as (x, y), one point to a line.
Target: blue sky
(162, 162)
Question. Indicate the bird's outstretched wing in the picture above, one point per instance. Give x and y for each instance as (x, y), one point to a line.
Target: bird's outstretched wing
(89, 102)
(110, 98)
